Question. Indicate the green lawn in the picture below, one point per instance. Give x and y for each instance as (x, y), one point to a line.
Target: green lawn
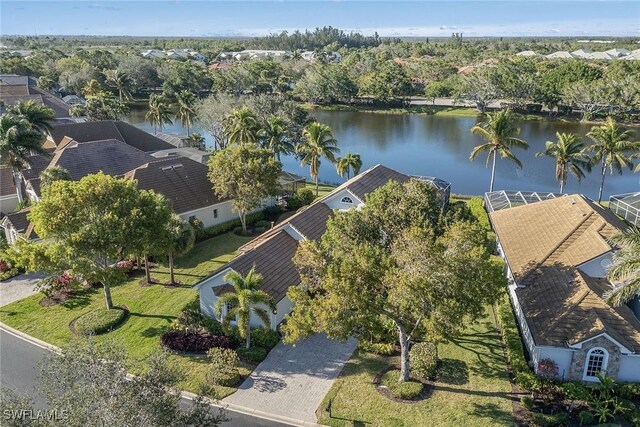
(323, 189)
(152, 308)
(472, 389)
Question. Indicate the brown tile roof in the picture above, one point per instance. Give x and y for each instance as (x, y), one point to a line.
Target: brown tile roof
(38, 164)
(7, 187)
(543, 244)
(312, 222)
(108, 129)
(12, 95)
(272, 259)
(184, 182)
(19, 221)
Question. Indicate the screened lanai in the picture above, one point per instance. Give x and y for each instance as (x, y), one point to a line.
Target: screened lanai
(627, 206)
(503, 199)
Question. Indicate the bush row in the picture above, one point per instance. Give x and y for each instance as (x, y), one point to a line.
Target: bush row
(216, 230)
(380, 348)
(193, 343)
(99, 321)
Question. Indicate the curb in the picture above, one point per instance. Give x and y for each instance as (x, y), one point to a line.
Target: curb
(184, 394)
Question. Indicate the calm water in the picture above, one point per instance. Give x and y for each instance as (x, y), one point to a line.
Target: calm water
(440, 146)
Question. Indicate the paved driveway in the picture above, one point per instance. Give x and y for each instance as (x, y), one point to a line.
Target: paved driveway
(18, 287)
(292, 381)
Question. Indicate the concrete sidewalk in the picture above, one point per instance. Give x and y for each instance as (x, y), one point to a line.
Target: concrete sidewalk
(18, 287)
(292, 381)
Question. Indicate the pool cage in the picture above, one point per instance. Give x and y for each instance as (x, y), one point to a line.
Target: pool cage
(504, 199)
(442, 187)
(627, 206)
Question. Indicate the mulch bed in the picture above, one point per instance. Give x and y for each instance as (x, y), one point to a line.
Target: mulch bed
(72, 327)
(56, 299)
(427, 390)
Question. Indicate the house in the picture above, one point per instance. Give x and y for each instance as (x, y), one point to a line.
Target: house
(16, 224)
(272, 252)
(153, 54)
(582, 53)
(73, 100)
(189, 152)
(601, 55)
(8, 193)
(290, 183)
(617, 53)
(557, 252)
(180, 141)
(15, 89)
(527, 53)
(563, 54)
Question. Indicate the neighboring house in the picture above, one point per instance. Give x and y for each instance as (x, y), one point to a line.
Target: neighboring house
(73, 100)
(192, 153)
(527, 53)
(582, 53)
(601, 55)
(563, 54)
(15, 88)
(180, 140)
(617, 53)
(8, 193)
(272, 252)
(16, 225)
(557, 253)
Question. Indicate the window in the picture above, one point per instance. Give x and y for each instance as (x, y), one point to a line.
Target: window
(596, 363)
(347, 199)
(215, 213)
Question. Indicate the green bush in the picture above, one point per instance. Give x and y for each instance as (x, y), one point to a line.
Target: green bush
(294, 203)
(225, 227)
(191, 320)
(406, 390)
(223, 367)
(515, 350)
(265, 338)
(424, 358)
(475, 204)
(13, 272)
(585, 417)
(306, 196)
(629, 391)
(550, 420)
(99, 321)
(262, 224)
(252, 355)
(527, 402)
(271, 213)
(380, 348)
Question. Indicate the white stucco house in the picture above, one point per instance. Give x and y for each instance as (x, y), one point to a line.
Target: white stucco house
(557, 252)
(271, 253)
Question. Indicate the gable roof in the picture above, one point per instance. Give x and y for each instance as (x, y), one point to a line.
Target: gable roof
(13, 94)
(109, 129)
(184, 182)
(20, 223)
(544, 243)
(7, 187)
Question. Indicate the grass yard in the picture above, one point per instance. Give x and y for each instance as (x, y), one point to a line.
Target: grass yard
(152, 309)
(472, 390)
(323, 189)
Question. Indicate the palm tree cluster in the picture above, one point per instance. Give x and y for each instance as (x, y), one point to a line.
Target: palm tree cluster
(612, 148)
(159, 113)
(23, 130)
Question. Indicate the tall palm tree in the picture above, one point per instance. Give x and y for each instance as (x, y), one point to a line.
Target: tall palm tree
(612, 149)
(186, 109)
(241, 126)
(243, 301)
(347, 163)
(625, 268)
(38, 116)
(158, 114)
(318, 142)
(181, 238)
(18, 142)
(275, 136)
(121, 82)
(500, 132)
(569, 154)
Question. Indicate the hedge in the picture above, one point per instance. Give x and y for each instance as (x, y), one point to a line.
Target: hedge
(99, 321)
(9, 274)
(252, 355)
(424, 358)
(216, 230)
(193, 343)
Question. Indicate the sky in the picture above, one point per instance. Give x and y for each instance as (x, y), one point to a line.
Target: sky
(388, 18)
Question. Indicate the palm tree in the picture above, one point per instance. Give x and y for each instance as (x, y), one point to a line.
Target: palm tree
(121, 82)
(243, 301)
(18, 142)
(347, 163)
(569, 154)
(186, 109)
(500, 132)
(158, 114)
(612, 148)
(318, 142)
(181, 238)
(196, 139)
(625, 268)
(241, 126)
(92, 88)
(38, 116)
(275, 136)
(52, 174)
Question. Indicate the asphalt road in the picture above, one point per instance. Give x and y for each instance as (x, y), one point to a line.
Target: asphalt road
(19, 361)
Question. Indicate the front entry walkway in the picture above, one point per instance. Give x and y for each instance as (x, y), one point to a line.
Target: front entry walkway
(292, 381)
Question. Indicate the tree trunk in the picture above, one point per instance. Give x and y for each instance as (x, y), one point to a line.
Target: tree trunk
(405, 368)
(17, 182)
(248, 344)
(602, 181)
(243, 221)
(171, 277)
(188, 129)
(147, 272)
(493, 172)
(107, 296)
(562, 179)
(317, 186)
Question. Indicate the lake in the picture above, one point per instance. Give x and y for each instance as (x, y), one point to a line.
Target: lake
(439, 146)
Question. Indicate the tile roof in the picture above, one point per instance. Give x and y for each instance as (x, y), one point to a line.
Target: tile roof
(108, 129)
(312, 222)
(7, 187)
(544, 243)
(19, 221)
(12, 95)
(184, 182)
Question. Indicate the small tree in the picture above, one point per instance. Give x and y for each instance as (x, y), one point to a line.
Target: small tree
(180, 240)
(243, 301)
(246, 175)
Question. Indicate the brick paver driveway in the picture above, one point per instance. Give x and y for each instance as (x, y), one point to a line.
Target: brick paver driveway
(18, 287)
(292, 381)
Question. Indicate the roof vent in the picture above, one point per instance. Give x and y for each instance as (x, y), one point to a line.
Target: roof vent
(166, 168)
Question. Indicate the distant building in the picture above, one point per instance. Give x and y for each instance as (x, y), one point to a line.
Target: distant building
(563, 54)
(15, 89)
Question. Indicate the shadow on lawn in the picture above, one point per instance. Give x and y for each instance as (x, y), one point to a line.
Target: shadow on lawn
(489, 354)
(154, 316)
(497, 415)
(453, 371)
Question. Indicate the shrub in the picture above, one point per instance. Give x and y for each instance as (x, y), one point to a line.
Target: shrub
(585, 417)
(262, 224)
(305, 196)
(475, 204)
(548, 368)
(272, 212)
(424, 358)
(252, 355)
(56, 285)
(99, 321)
(514, 348)
(380, 348)
(4, 266)
(125, 265)
(293, 203)
(550, 420)
(264, 338)
(193, 343)
(629, 391)
(225, 227)
(406, 390)
(12, 272)
(223, 369)
(527, 402)
(192, 321)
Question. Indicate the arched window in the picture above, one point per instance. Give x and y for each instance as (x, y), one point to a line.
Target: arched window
(597, 359)
(347, 199)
